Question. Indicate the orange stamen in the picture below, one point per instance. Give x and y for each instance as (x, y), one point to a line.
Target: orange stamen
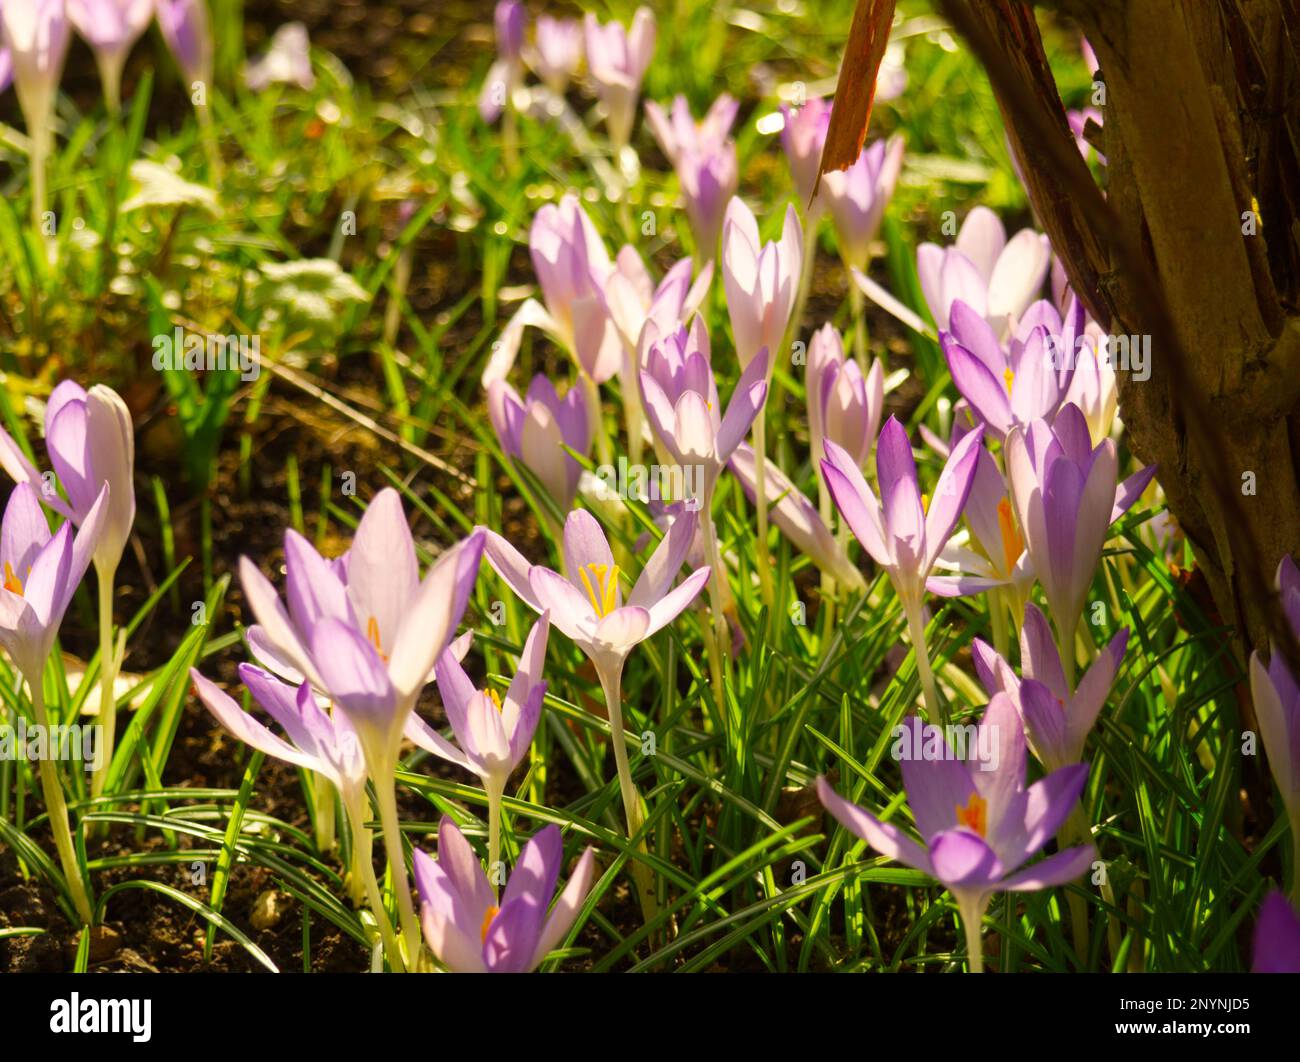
(488, 915)
(12, 582)
(975, 815)
(1012, 543)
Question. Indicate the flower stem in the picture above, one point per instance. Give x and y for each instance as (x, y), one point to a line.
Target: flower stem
(495, 792)
(363, 867)
(998, 617)
(56, 809)
(387, 797)
(107, 682)
(916, 629)
(760, 499)
(611, 682)
(972, 917)
(324, 806)
(718, 629)
(597, 417)
(859, 325)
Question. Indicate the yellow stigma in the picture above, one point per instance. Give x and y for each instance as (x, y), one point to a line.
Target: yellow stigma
(602, 587)
(372, 636)
(488, 915)
(494, 697)
(1012, 543)
(975, 815)
(1008, 377)
(12, 582)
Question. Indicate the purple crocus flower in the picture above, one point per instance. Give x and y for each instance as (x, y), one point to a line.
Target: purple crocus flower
(317, 741)
(110, 27)
(708, 181)
(633, 298)
(41, 573)
(372, 614)
(534, 430)
(857, 198)
(492, 735)
(681, 403)
(510, 19)
(366, 631)
(803, 136)
(977, 821)
(91, 443)
(1065, 495)
(999, 559)
(572, 266)
(188, 33)
(1057, 719)
(588, 606)
(559, 51)
(1029, 381)
(761, 279)
(590, 609)
(503, 77)
(677, 132)
(904, 536)
(998, 278)
(35, 34)
(1276, 696)
(1277, 937)
(617, 59)
(843, 405)
(469, 931)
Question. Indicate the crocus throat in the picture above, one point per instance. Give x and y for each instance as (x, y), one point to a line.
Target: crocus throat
(1012, 544)
(602, 587)
(975, 815)
(12, 582)
(372, 636)
(488, 915)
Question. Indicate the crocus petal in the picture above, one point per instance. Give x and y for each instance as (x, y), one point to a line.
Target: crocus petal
(1058, 869)
(432, 614)
(356, 679)
(986, 394)
(566, 908)
(244, 727)
(511, 565)
(1039, 656)
(884, 837)
(950, 494)
(1277, 937)
(959, 858)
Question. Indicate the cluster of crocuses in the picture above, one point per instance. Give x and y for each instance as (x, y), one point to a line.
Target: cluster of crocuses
(91, 447)
(1030, 463)
(617, 59)
(34, 37)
